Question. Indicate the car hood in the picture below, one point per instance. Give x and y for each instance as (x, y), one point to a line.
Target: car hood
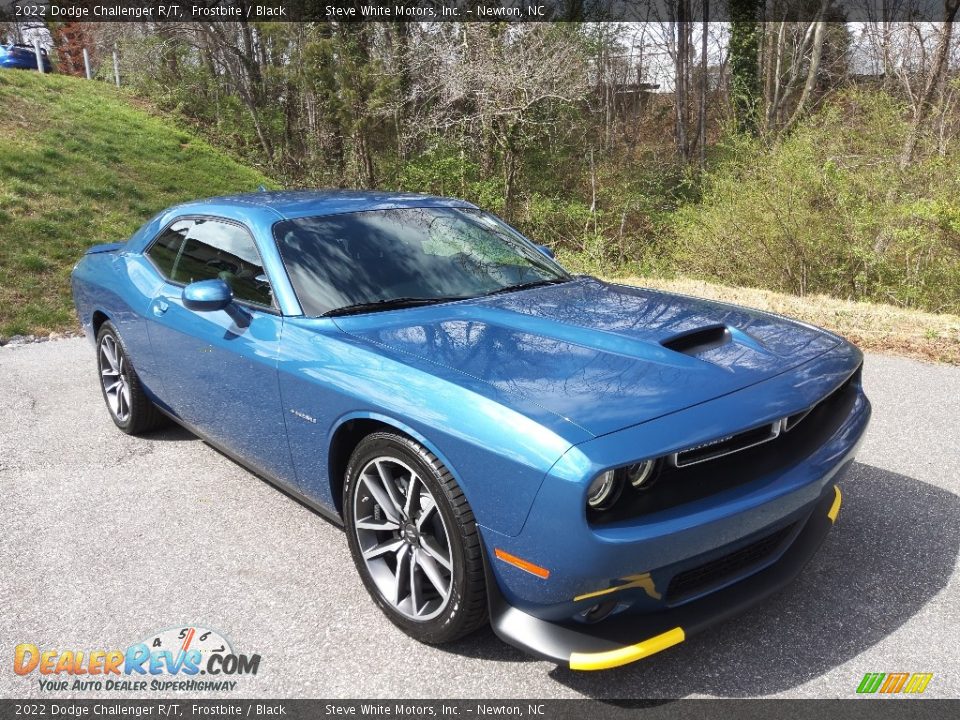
(599, 355)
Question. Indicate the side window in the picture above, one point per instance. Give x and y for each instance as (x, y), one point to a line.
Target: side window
(166, 248)
(215, 249)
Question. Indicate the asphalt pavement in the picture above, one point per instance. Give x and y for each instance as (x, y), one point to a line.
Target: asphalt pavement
(108, 539)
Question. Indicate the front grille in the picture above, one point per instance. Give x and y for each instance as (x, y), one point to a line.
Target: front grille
(697, 477)
(789, 423)
(728, 445)
(710, 574)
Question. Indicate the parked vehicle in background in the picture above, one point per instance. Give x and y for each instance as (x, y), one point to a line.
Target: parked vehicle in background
(23, 57)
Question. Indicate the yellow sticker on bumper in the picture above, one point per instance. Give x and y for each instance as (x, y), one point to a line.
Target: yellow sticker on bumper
(835, 508)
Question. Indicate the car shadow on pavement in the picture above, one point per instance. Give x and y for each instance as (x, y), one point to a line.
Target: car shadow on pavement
(171, 432)
(893, 549)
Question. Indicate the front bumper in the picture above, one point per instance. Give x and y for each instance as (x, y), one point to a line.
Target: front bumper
(651, 580)
(602, 645)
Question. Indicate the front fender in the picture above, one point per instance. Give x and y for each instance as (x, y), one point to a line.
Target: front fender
(498, 455)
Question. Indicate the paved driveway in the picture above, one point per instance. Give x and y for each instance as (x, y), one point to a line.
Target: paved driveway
(107, 539)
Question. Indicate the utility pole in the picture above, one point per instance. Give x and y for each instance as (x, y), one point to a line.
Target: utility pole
(36, 50)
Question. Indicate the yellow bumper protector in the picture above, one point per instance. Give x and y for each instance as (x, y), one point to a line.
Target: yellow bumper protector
(628, 654)
(835, 508)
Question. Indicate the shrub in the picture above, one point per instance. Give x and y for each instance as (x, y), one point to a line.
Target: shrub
(828, 211)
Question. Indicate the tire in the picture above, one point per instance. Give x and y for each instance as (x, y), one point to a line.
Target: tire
(129, 407)
(387, 530)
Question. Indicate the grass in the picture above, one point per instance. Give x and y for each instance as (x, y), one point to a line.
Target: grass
(80, 164)
(872, 326)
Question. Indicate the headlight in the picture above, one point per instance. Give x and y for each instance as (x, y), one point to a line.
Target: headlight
(603, 491)
(641, 474)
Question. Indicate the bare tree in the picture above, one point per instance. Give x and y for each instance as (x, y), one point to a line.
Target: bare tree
(502, 82)
(933, 83)
(682, 62)
(702, 114)
(813, 67)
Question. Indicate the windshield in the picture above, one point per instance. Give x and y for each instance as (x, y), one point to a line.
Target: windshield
(384, 257)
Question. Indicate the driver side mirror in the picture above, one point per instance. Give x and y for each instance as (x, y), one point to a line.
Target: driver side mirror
(207, 295)
(546, 251)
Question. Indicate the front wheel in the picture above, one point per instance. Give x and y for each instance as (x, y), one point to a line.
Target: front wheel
(414, 539)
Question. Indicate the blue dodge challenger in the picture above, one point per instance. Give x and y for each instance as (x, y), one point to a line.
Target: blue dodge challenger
(598, 471)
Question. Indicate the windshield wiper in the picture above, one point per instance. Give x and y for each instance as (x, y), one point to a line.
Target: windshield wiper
(524, 286)
(387, 304)
(407, 302)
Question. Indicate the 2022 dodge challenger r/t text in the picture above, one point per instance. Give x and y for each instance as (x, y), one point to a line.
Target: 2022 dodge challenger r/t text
(598, 470)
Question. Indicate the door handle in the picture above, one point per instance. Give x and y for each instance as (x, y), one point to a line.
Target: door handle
(160, 306)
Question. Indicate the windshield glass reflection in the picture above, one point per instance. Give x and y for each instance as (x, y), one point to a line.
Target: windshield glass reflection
(377, 256)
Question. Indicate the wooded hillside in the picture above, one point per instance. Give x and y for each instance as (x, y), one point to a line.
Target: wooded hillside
(808, 157)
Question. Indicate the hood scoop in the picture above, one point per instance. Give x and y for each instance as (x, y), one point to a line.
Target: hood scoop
(700, 340)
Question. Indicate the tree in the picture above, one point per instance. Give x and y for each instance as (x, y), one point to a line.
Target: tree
(745, 34)
(682, 62)
(70, 38)
(933, 84)
(813, 68)
(504, 85)
(798, 57)
(702, 114)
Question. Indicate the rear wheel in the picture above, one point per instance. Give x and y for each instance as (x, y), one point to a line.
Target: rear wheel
(130, 408)
(414, 539)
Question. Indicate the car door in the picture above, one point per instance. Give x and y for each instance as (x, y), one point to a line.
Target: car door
(219, 368)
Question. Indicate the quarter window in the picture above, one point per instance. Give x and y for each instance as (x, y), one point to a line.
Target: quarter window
(166, 249)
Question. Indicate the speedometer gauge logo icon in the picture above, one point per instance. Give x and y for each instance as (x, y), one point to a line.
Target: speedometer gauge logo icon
(184, 639)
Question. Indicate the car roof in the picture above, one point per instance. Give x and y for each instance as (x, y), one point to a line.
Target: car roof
(311, 203)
